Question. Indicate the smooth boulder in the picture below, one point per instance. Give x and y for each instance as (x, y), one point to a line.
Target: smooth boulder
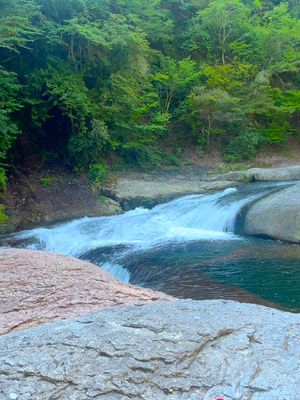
(182, 350)
(37, 287)
(276, 216)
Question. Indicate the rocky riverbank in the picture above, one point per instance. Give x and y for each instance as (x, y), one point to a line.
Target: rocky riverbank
(45, 197)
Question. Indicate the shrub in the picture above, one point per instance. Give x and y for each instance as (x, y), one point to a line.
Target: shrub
(97, 173)
(146, 156)
(3, 182)
(47, 181)
(3, 217)
(243, 147)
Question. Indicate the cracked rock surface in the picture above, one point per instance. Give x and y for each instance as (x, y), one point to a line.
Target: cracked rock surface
(37, 287)
(183, 350)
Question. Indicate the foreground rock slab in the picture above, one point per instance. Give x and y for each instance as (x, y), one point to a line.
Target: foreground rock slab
(276, 216)
(174, 350)
(38, 287)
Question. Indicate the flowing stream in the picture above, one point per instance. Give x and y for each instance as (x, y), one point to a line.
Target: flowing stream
(188, 248)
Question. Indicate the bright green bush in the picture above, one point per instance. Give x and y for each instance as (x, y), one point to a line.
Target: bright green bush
(3, 216)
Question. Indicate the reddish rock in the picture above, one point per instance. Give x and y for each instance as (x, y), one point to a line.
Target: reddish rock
(38, 287)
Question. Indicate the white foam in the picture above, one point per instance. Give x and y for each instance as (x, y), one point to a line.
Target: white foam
(195, 217)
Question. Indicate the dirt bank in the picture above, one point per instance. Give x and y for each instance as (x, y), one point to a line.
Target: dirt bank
(48, 196)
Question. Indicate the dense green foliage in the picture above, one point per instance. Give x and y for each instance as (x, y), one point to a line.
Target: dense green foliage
(86, 81)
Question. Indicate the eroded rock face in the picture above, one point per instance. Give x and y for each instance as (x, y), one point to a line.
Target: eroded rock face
(174, 350)
(38, 287)
(277, 216)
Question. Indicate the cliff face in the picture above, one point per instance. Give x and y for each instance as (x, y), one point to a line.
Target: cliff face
(39, 287)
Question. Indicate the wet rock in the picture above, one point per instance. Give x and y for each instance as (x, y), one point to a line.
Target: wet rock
(276, 216)
(38, 287)
(174, 350)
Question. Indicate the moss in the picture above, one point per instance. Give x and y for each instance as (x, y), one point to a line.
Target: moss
(4, 219)
(46, 181)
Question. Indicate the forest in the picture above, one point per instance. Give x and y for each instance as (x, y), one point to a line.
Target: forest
(91, 83)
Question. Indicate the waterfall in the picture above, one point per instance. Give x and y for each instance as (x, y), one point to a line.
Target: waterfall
(207, 217)
(195, 217)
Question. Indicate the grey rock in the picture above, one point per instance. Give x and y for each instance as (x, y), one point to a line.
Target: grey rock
(276, 174)
(261, 175)
(183, 350)
(233, 176)
(276, 216)
(136, 192)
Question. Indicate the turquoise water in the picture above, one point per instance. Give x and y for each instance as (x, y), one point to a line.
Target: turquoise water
(252, 270)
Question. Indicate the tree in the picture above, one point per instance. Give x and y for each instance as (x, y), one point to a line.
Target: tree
(213, 112)
(222, 22)
(9, 88)
(174, 79)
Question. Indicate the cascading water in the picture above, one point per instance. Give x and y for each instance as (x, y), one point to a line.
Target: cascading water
(193, 217)
(186, 248)
(190, 218)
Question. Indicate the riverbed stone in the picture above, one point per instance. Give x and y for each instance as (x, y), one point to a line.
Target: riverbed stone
(37, 287)
(276, 216)
(182, 350)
